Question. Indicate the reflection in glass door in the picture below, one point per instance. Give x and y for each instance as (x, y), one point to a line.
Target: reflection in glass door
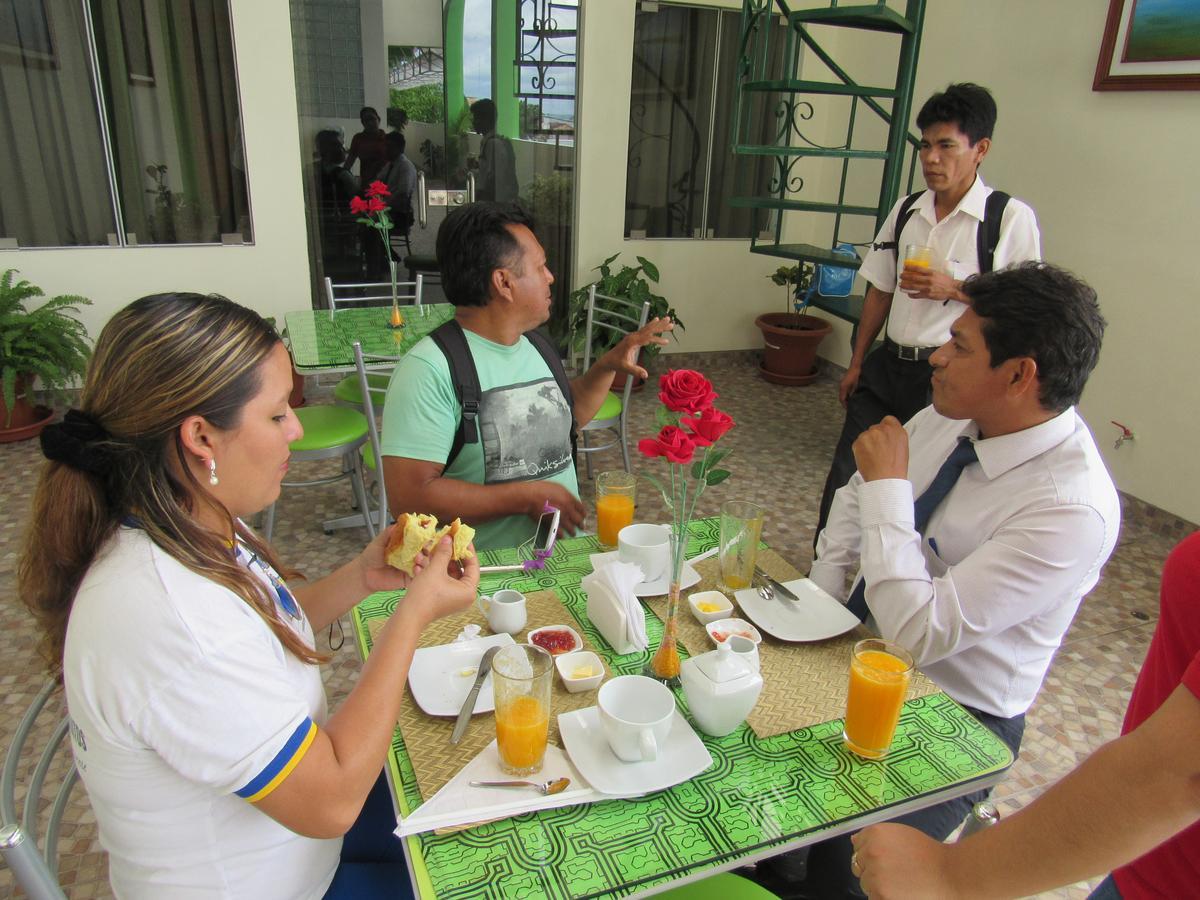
(482, 92)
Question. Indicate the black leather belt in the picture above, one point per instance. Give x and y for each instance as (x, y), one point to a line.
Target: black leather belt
(908, 354)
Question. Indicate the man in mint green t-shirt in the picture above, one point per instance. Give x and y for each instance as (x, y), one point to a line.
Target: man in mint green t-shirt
(494, 272)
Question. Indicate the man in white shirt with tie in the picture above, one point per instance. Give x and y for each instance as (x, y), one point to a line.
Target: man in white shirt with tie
(977, 528)
(969, 227)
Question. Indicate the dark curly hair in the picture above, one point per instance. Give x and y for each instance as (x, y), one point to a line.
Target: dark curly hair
(967, 105)
(473, 242)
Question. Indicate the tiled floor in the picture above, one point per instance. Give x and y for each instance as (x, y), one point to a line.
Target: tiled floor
(783, 442)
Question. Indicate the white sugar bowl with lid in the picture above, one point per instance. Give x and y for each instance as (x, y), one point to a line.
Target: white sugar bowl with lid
(721, 689)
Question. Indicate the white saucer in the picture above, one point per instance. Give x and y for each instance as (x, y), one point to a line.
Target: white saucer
(441, 676)
(688, 578)
(816, 617)
(682, 756)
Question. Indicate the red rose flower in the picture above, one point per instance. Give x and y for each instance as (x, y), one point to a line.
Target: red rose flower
(378, 189)
(358, 206)
(672, 442)
(685, 391)
(708, 427)
(376, 204)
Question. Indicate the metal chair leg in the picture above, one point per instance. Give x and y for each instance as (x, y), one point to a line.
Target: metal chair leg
(360, 492)
(268, 523)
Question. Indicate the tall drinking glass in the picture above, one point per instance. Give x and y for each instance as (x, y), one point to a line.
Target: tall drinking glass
(741, 527)
(521, 680)
(879, 674)
(616, 493)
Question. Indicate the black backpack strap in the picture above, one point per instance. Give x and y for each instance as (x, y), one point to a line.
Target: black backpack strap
(903, 214)
(554, 361)
(987, 235)
(465, 377)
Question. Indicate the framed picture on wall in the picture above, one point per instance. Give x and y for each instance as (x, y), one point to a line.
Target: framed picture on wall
(1150, 45)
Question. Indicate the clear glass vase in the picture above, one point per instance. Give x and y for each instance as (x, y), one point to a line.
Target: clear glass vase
(664, 665)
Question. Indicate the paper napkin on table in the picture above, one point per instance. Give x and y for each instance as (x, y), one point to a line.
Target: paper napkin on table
(457, 803)
(620, 579)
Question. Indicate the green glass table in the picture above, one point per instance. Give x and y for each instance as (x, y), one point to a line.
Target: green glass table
(320, 342)
(760, 797)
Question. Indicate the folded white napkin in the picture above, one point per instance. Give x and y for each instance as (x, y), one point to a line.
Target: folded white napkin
(621, 578)
(457, 803)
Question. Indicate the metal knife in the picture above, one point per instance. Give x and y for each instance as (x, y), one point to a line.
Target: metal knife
(468, 707)
(778, 588)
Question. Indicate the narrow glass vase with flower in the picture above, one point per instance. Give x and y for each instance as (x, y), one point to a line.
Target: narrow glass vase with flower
(690, 429)
(372, 211)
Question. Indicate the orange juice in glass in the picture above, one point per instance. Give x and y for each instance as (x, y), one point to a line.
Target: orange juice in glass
(521, 680)
(918, 256)
(615, 496)
(879, 673)
(737, 549)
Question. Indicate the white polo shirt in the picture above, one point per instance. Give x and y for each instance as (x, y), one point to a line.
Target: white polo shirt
(926, 323)
(183, 705)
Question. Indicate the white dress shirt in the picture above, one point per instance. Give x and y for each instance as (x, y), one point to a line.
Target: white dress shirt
(983, 599)
(926, 323)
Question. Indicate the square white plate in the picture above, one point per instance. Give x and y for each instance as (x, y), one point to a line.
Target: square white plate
(437, 677)
(689, 577)
(682, 756)
(816, 617)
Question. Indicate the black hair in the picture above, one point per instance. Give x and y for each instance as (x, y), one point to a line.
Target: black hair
(1045, 313)
(483, 113)
(966, 105)
(472, 242)
(396, 139)
(368, 109)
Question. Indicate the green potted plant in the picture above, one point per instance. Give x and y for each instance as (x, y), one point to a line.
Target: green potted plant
(631, 283)
(791, 338)
(47, 343)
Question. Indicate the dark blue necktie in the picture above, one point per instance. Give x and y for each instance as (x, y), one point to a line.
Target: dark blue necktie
(960, 457)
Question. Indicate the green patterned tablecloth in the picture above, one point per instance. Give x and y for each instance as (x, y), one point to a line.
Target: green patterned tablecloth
(320, 342)
(759, 794)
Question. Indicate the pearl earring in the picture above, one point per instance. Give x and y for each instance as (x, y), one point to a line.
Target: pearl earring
(212, 473)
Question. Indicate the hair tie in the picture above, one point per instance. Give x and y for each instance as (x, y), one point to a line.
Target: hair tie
(75, 442)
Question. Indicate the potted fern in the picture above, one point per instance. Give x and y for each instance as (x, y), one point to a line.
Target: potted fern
(47, 343)
(790, 338)
(632, 283)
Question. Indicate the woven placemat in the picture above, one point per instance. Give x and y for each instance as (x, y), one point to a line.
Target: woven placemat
(427, 738)
(803, 684)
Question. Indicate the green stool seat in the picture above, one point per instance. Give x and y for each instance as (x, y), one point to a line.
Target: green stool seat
(724, 886)
(328, 426)
(349, 393)
(609, 409)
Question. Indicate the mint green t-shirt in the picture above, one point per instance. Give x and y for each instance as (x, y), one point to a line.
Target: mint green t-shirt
(524, 424)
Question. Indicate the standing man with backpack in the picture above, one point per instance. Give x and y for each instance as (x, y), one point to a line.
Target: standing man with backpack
(970, 229)
(480, 419)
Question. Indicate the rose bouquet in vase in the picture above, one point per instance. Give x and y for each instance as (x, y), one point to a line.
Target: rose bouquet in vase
(690, 428)
(372, 211)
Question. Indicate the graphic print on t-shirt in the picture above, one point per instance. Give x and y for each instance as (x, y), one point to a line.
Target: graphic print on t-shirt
(525, 430)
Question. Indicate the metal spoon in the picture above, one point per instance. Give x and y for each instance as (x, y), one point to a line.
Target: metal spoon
(553, 786)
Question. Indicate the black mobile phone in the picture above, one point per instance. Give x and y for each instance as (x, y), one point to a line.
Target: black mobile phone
(547, 531)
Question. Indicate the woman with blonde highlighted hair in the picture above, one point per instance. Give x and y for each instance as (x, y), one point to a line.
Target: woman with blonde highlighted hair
(198, 715)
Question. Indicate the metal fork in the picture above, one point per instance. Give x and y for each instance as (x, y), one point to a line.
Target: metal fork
(764, 589)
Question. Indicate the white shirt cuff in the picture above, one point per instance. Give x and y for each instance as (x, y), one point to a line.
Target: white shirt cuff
(885, 501)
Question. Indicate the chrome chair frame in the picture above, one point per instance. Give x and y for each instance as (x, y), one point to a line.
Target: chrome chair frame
(36, 871)
(372, 435)
(378, 293)
(621, 324)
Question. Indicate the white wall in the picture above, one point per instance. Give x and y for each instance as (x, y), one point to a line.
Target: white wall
(271, 275)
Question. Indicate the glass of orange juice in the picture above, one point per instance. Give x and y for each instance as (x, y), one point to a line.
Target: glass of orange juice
(737, 551)
(918, 256)
(521, 680)
(616, 493)
(879, 673)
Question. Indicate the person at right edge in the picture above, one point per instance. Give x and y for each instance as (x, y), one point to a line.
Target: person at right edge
(894, 379)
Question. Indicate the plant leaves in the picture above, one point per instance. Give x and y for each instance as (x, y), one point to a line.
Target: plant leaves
(650, 269)
(664, 417)
(716, 476)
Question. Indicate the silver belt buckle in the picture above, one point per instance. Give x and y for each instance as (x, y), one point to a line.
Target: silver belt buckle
(908, 354)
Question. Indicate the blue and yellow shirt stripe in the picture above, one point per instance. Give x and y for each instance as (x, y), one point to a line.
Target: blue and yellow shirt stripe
(281, 766)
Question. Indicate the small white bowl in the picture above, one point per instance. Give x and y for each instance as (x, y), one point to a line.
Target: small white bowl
(568, 663)
(724, 606)
(732, 626)
(578, 645)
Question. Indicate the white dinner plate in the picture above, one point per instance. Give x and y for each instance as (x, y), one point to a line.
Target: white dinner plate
(815, 617)
(441, 676)
(689, 577)
(682, 756)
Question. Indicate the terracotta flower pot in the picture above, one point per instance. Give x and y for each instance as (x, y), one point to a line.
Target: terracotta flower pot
(27, 420)
(790, 355)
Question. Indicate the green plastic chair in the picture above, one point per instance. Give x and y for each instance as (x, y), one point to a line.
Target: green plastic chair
(618, 317)
(331, 432)
(724, 886)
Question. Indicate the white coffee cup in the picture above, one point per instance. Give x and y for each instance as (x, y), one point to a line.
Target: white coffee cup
(504, 610)
(648, 547)
(636, 714)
